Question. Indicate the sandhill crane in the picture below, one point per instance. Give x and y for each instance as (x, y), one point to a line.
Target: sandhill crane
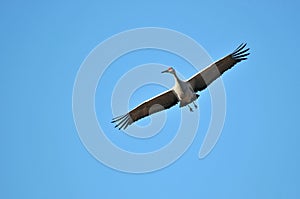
(183, 92)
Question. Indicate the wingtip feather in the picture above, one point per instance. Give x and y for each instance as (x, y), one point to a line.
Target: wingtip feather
(122, 122)
(240, 53)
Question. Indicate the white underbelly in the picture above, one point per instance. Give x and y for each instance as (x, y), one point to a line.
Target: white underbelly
(184, 94)
(185, 97)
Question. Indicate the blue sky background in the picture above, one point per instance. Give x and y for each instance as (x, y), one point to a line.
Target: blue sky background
(42, 47)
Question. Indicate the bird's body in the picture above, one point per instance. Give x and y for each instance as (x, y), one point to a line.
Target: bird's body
(184, 92)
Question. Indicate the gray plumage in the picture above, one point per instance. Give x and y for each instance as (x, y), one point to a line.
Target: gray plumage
(184, 92)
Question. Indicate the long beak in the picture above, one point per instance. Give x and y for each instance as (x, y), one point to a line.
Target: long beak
(165, 71)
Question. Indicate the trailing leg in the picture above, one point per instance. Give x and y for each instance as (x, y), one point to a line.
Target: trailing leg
(190, 108)
(195, 105)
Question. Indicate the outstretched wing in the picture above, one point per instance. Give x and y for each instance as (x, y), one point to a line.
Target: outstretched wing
(161, 102)
(205, 77)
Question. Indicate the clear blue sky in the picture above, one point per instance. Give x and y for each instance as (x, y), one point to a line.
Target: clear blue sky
(42, 47)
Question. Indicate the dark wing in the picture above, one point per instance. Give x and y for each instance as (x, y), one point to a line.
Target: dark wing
(161, 102)
(205, 77)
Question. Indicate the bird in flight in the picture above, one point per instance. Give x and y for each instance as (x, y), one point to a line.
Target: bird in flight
(184, 92)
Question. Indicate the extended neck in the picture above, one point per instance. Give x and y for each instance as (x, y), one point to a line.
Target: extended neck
(176, 77)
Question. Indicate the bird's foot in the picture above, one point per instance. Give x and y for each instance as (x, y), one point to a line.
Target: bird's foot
(190, 108)
(195, 105)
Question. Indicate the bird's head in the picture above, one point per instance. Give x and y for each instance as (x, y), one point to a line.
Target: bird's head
(169, 70)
